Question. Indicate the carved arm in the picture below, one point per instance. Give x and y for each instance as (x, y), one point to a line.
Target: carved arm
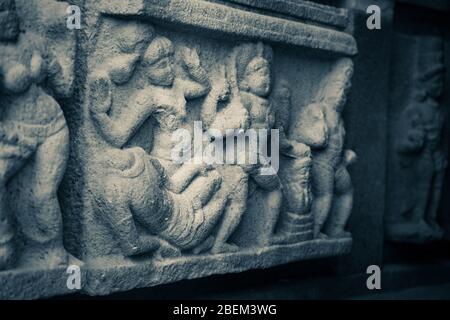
(199, 84)
(119, 130)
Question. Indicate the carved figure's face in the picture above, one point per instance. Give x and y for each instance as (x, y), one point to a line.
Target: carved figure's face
(258, 77)
(162, 72)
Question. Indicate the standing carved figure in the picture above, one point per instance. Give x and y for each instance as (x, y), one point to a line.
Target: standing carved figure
(249, 76)
(34, 141)
(295, 223)
(420, 152)
(325, 134)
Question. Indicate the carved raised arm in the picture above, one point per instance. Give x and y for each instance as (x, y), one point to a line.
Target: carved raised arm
(117, 131)
(199, 84)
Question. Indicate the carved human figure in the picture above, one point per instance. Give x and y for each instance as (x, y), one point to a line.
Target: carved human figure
(34, 141)
(135, 189)
(422, 159)
(325, 134)
(295, 222)
(245, 92)
(164, 99)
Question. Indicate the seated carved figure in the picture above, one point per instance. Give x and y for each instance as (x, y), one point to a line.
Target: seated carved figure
(134, 189)
(34, 141)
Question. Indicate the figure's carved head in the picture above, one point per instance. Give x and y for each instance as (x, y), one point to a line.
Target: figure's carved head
(253, 68)
(336, 86)
(134, 36)
(430, 69)
(158, 61)
(9, 21)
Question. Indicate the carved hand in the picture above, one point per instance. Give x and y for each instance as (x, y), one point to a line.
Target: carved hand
(300, 150)
(350, 157)
(37, 67)
(221, 86)
(416, 138)
(191, 59)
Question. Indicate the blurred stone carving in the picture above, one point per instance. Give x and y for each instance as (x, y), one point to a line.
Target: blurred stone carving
(34, 147)
(420, 155)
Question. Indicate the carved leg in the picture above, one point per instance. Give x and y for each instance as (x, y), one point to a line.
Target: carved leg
(9, 166)
(342, 205)
(323, 190)
(422, 191)
(41, 218)
(114, 209)
(6, 232)
(435, 199)
(232, 215)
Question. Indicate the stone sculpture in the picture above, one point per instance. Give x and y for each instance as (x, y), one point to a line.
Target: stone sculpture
(421, 157)
(323, 130)
(249, 77)
(296, 221)
(165, 100)
(34, 141)
(132, 215)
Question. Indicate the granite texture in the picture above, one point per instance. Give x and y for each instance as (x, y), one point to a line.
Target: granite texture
(113, 136)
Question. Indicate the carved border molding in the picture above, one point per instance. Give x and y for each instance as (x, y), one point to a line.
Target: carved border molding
(225, 20)
(171, 270)
(311, 11)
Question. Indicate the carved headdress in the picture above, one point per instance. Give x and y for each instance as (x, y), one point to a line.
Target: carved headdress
(430, 68)
(9, 20)
(239, 62)
(336, 85)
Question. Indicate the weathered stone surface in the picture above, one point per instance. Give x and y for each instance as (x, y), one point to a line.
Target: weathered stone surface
(34, 148)
(36, 283)
(150, 195)
(126, 275)
(220, 19)
(306, 10)
(418, 155)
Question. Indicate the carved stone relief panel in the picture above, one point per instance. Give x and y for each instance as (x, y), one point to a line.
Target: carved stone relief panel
(158, 187)
(418, 153)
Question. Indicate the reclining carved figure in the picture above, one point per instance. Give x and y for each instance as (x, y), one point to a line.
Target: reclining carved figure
(134, 189)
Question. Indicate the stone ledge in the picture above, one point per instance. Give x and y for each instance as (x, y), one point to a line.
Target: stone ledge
(27, 284)
(108, 275)
(229, 21)
(306, 10)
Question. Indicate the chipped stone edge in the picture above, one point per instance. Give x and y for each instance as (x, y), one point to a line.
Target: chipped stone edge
(226, 20)
(28, 284)
(311, 11)
(129, 274)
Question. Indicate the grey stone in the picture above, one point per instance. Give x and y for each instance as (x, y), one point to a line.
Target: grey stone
(131, 214)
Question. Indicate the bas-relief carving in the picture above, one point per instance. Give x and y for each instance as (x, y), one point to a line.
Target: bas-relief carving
(148, 203)
(152, 204)
(34, 142)
(420, 157)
